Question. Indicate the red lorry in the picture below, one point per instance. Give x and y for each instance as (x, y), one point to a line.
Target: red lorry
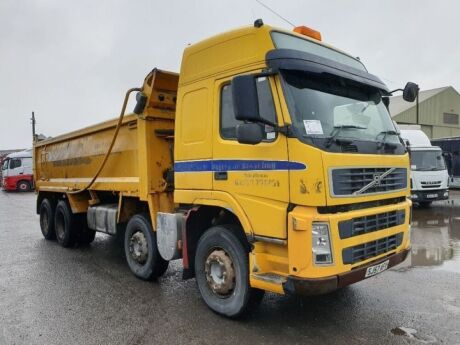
(17, 171)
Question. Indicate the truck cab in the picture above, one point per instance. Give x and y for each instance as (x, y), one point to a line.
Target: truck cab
(17, 171)
(429, 176)
(292, 138)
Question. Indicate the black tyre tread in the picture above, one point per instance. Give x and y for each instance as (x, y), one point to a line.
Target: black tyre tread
(154, 267)
(86, 236)
(227, 236)
(72, 224)
(47, 206)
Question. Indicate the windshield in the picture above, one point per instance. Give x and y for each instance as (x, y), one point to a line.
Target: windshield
(5, 164)
(323, 107)
(427, 160)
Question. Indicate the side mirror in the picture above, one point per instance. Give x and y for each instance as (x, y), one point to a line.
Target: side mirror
(410, 92)
(250, 133)
(245, 100)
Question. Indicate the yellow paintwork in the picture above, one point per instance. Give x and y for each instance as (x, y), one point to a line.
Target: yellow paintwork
(259, 199)
(138, 160)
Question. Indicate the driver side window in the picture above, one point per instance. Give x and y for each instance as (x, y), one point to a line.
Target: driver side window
(228, 122)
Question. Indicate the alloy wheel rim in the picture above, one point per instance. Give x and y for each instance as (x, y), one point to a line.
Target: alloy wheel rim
(220, 273)
(138, 247)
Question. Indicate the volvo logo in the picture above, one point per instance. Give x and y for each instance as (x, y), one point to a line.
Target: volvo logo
(376, 181)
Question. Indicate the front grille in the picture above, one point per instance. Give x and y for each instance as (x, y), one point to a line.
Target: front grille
(345, 182)
(371, 249)
(371, 223)
(431, 184)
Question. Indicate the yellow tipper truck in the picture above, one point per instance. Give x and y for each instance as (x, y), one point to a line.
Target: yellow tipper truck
(270, 163)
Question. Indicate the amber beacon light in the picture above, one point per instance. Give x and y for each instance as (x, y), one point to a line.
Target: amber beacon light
(306, 31)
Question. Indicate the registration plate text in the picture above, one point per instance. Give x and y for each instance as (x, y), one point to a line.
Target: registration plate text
(373, 270)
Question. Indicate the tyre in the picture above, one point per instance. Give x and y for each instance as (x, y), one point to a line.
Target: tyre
(141, 249)
(66, 225)
(47, 219)
(23, 186)
(222, 272)
(85, 234)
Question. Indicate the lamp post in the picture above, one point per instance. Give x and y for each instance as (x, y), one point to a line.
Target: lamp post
(32, 119)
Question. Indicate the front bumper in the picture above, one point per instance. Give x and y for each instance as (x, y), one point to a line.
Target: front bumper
(429, 195)
(318, 286)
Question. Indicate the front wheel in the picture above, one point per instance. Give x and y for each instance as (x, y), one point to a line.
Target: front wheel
(141, 249)
(222, 272)
(23, 186)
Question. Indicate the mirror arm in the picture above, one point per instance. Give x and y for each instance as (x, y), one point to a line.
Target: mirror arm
(392, 92)
(286, 129)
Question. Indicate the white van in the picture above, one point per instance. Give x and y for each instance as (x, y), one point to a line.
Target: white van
(429, 177)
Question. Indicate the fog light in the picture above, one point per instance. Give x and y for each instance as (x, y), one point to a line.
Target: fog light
(321, 244)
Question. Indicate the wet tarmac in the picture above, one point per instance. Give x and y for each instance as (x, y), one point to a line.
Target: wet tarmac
(86, 295)
(436, 236)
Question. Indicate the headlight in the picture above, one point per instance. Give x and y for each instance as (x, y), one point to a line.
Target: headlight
(321, 244)
(414, 196)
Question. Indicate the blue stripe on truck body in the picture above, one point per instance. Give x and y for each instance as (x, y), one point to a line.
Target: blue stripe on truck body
(236, 165)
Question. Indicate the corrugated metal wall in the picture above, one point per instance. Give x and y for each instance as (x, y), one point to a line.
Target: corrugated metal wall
(431, 113)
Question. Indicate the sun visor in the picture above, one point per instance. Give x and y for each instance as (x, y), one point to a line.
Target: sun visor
(289, 59)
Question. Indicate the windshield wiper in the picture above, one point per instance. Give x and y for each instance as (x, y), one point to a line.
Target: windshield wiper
(383, 142)
(336, 132)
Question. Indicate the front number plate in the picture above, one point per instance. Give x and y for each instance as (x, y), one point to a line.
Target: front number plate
(373, 270)
(432, 196)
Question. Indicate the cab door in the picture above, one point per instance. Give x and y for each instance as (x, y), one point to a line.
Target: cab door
(256, 176)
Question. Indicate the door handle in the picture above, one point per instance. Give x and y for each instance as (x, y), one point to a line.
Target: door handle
(21, 173)
(220, 175)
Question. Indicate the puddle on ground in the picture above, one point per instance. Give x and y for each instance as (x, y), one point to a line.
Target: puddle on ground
(435, 236)
(412, 334)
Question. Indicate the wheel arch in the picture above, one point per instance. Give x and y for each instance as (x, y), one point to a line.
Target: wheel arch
(198, 220)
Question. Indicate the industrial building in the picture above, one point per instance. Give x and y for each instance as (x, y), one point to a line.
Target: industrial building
(438, 114)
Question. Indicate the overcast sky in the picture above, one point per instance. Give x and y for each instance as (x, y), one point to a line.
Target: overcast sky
(72, 61)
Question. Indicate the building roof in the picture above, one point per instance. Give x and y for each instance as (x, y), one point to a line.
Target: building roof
(399, 105)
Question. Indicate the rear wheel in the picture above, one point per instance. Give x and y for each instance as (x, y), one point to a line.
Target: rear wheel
(85, 234)
(141, 249)
(47, 219)
(23, 186)
(222, 272)
(65, 224)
